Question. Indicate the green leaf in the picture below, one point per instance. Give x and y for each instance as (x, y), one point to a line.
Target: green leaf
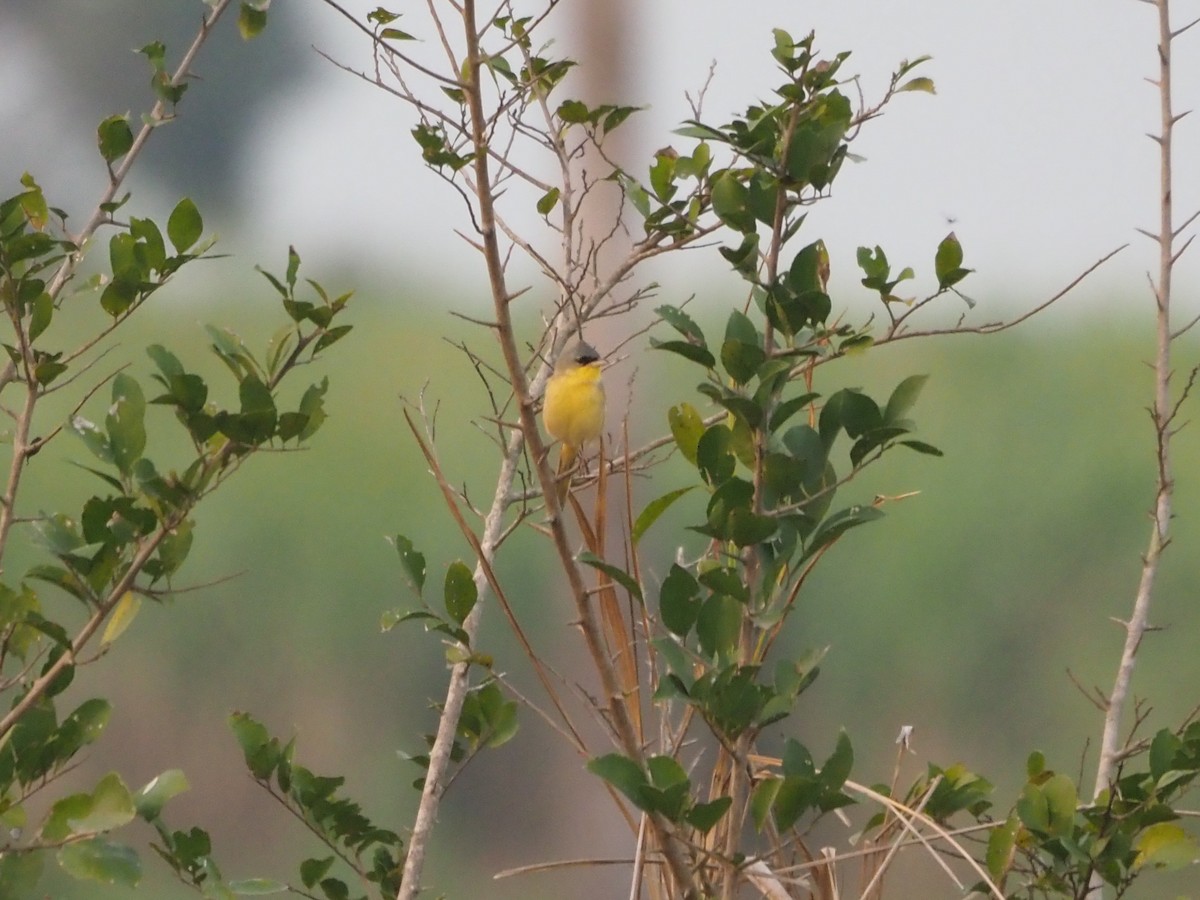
(718, 626)
(703, 816)
(20, 874)
(683, 323)
(918, 84)
(838, 524)
(313, 870)
(763, 799)
(252, 19)
(1061, 800)
(103, 861)
(903, 398)
(1162, 753)
(83, 726)
(948, 262)
(688, 351)
(548, 201)
(1165, 845)
(679, 604)
(741, 360)
(1002, 847)
(40, 315)
(618, 575)
(922, 447)
(150, 800)
(731, 202)
(572, 112)
(126, 422)
(184, 226)
(413, 562)
(714, 454)
(109, 806)
(118, 296)
(790, 407)
(91, 435)
(837, 768)
(810, 269)
(460, 592)
(114, 138)
(655, 508)
(622, 773)
(687, 428)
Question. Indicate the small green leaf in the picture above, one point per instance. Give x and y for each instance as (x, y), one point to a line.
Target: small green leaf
(683, 323)
(618, 575)
(126, 422)
(114, 138)
(460, 592)
(122, 617)
(718, 625)
(903, 398)
(689, 351)
(622, 773)
(1165, 845)
(679, 604)
(413, 562)
(762, 799)
(703, 816)
(548, 201)
(185, 225)
(150, 800)
(948, 262)
(572, 112)
(252, 19)
(656, 508)
(1002, 848)
(1162, 753)
(41, 315)
(837, 768)
(922, 447)
(687, 428)
(731, 202)
(714, 454)
(918, 84)
(103, 861)
(313, 870)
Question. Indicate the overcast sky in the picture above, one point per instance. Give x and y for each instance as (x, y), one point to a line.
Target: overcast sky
(1033, 151)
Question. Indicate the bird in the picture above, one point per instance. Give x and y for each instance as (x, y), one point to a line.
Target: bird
(573, 406)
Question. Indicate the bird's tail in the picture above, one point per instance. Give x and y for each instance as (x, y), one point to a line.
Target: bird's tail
(566, 463)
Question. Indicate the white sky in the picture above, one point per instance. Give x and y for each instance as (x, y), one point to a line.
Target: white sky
(1033, 151)
(1034, 146)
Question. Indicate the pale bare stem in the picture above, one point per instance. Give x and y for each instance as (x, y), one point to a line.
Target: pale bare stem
(895, 334)
(156, 116)
(52, 671)
(23, 447)
(1162, 413)
(618, 715)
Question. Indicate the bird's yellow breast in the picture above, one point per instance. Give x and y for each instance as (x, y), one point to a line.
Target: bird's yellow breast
(573, 409)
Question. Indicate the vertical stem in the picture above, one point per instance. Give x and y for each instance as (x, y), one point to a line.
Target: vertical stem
(1162, 416)
(671, 848)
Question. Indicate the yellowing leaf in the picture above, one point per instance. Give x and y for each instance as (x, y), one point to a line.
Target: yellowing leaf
(127, 607)
(1165, 845)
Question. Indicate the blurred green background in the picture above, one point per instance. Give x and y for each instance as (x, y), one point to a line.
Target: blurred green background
(961, 613)
(966, 613)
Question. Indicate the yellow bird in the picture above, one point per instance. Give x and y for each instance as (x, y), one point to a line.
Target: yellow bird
(573, 407)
